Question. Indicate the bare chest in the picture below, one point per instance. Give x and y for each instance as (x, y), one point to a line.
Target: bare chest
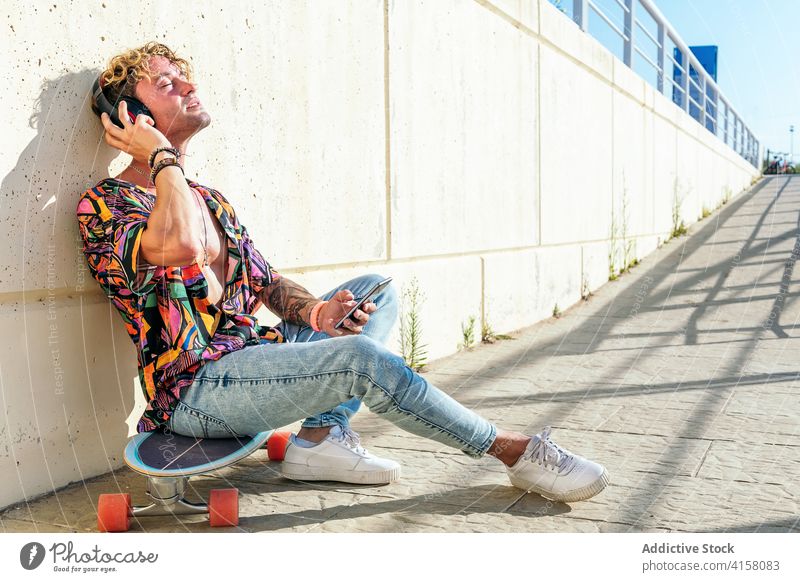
(216, 246)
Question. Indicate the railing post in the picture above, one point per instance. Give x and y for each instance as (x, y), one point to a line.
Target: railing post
(716, 112)
(743, 144)
(732, 129)
(661, 58)
(701, 82)
(745, 140)
(685, 80)
(747, 149)
(737, 136)
(630, 25)
(740, 136)
(580, 11)
(738, 146)
(725, 127)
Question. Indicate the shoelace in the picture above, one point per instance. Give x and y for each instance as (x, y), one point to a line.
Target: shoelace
(545, 451)
(352, 440)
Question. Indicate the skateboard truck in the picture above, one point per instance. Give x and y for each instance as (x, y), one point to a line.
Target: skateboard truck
(168, 460)
(167, 496)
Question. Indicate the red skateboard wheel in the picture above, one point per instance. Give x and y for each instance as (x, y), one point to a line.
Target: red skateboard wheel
(114, 512)
(223, 507)
(276, 445)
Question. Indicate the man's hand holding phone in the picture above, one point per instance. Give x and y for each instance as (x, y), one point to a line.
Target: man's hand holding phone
(337, 307)
(137, 139)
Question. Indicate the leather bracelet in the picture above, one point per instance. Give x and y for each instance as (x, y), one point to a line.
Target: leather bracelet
(163, 164)
(315, 315)
(174, 151)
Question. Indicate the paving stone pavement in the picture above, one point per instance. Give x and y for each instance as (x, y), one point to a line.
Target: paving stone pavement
(680, 377)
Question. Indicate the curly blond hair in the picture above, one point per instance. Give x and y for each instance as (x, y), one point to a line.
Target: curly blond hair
(125, 70)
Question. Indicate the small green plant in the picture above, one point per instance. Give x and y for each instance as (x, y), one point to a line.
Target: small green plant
(620, 241)
(585, 291)
(726, 196)
(411, 346)
(556, 311)
(678, 226)
(628, 245)
(487, 333)
(705, 212)
(612, 247)
(467, 333)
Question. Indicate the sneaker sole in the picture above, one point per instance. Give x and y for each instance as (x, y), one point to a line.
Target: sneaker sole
(581, 494)
(304, 473)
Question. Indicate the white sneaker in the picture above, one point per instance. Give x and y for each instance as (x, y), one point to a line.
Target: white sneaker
(340, 457)
(555, 473)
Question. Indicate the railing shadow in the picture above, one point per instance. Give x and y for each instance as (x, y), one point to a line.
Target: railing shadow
(615, 313)
(406, 509)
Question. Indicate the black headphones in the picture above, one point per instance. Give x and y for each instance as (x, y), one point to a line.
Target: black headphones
(101, 104)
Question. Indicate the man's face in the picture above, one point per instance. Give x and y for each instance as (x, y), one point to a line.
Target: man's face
(173, 101)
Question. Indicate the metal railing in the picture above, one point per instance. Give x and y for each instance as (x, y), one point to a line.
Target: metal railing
(652, 48)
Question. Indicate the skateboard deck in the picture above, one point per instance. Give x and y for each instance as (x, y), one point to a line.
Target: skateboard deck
(169, 460)
(160, 454)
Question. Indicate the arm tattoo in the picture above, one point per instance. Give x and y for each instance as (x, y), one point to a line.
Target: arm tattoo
(289, 301)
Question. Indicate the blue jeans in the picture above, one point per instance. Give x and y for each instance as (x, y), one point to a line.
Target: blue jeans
(323, 380)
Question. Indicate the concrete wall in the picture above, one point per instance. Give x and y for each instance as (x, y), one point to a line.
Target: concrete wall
(478, 146)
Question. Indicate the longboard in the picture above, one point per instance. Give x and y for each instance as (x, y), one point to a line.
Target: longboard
(168, 460)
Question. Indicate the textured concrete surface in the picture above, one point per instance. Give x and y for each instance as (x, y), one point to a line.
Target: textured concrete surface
(680, 377)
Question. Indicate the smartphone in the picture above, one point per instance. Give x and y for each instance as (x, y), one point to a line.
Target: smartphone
(376, 289)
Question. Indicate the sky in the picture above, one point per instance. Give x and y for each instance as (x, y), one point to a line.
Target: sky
(758, 59)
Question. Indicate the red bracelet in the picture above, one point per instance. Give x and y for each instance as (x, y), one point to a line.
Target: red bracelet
(315, 315)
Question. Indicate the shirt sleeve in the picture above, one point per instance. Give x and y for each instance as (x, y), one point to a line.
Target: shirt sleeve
(260, 271)
(112, 237)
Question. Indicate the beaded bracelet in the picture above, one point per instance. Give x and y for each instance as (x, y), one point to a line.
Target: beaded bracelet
(174, 151)
(163, 164)
(315, 315)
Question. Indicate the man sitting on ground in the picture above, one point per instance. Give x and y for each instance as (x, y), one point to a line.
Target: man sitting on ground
(174, 259)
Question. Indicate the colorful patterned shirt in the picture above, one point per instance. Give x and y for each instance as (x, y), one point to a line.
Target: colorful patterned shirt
(174, 326)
